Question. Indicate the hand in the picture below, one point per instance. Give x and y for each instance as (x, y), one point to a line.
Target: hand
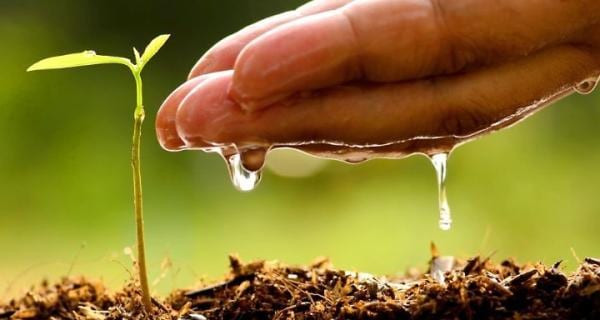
(375, 71)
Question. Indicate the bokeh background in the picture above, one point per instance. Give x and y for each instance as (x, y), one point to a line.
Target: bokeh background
(530, 192)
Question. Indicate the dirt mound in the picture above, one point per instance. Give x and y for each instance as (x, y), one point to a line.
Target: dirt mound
(451, 289)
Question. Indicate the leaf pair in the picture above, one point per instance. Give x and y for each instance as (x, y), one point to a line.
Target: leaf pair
(88, 58)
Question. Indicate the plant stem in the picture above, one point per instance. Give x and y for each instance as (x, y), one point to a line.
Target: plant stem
(139, 115)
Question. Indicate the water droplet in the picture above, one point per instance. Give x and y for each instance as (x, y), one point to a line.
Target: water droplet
(193, 316)
(586, 86)
(440, 162)
(90, 52)
(245, 167)
(439, 266)
(356, 160)
(439, 277)
(242, 178)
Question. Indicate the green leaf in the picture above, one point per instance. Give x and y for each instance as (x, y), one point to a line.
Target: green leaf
(154, 46)
(136, 53)
(86, 58)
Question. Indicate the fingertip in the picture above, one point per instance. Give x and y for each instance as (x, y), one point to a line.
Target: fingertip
(203, 116)
(166, 129)
(205, 63)
(221, 57)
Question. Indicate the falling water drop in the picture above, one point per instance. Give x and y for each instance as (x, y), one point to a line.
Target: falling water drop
(356, 160)
(440, 162)
(245, 167)
(586, 86)
(242, 178)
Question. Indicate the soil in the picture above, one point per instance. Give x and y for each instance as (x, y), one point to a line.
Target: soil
(451, 289)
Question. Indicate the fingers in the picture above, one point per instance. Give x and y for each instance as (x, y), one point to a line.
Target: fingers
(165, 121)
(387, 41)
(222, 56)
(458, 105)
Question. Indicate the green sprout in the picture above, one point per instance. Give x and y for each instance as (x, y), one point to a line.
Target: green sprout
(88, 58)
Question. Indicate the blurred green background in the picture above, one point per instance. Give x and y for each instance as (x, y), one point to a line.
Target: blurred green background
(530, 192)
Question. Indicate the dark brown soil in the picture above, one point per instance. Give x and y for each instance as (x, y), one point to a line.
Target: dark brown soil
(451, 289)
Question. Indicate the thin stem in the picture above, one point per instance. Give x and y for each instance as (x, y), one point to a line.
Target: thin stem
(139, 115)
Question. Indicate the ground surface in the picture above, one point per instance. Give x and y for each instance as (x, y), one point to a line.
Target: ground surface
(451, 289)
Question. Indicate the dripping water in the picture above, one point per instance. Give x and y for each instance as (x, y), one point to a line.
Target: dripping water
(586, 86)
(242, 178)
(245, 168)
(245, 171)
(440, 162)
(245, 163)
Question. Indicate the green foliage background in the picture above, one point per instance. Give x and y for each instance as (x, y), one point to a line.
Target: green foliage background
(530, 192)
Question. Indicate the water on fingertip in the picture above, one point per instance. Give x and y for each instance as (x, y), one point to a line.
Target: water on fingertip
(587, 86)
(245, 161)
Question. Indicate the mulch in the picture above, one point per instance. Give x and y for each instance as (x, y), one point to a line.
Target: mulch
(475, 288)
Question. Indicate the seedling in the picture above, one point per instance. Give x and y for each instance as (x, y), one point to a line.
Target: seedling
(88, 58)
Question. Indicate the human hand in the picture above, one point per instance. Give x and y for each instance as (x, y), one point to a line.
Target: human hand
(369, 72)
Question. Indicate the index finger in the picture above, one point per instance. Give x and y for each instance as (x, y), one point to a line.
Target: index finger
(222, 56)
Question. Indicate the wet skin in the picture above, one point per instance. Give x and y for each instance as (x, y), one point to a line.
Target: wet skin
(376, 71)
